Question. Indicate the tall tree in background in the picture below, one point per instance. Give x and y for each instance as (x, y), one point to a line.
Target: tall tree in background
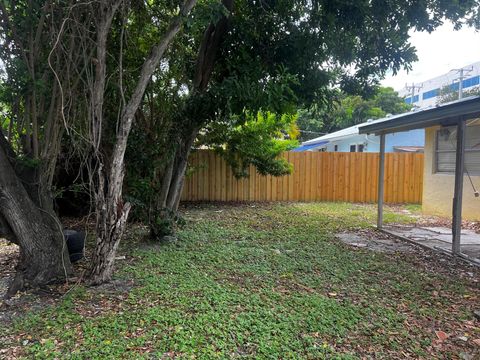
(349, 110)
(354, 110)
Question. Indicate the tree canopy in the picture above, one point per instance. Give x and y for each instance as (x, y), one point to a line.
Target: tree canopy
(348, 110)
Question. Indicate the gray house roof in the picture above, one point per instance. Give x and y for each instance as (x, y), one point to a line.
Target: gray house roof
(445, 114)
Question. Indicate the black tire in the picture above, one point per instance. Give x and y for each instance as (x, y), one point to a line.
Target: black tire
(75, 243)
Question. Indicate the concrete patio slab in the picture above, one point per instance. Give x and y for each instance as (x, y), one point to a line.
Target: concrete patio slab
(445, 230)
(466, 239)
(439, 238)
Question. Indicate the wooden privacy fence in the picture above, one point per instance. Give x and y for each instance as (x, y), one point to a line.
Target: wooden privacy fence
(317, 176)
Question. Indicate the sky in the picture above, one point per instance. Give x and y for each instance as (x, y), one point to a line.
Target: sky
(438, 53)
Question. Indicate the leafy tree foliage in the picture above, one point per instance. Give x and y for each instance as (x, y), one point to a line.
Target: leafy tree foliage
(348, 110)
(355, 110)
(254, 139)
(448, 94)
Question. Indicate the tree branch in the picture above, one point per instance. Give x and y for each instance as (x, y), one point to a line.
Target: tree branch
(148, 68)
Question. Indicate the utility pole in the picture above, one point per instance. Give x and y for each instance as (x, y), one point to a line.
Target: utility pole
(462, 72)
(412, 89)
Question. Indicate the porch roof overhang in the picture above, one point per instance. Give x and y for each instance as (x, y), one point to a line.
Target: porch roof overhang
(445, 115)
(453, 113)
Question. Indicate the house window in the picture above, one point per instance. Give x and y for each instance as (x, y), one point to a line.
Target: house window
(445, 150)
(357, 148)
(335, 148)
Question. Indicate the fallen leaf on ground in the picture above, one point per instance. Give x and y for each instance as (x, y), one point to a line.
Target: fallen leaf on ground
(441, 335)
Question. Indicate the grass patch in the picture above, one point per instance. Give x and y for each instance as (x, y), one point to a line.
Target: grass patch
(414, 208)
(257, 282)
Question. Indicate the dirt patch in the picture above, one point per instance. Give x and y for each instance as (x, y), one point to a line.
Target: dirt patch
(375, 241)
(38, 299)
(8, 260)
(118, 286)
(23, 302)
(107, 296)
(422, 258)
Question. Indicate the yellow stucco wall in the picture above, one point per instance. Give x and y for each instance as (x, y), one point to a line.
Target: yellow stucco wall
(438, 188)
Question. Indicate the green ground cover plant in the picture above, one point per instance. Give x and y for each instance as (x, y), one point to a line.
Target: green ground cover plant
(261, 282)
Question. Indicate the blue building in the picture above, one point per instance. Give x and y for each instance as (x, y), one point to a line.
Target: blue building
(349, 140)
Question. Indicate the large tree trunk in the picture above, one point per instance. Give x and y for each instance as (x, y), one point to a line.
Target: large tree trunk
(161, 200)
(112, 213)
(172, 184)
(112, 216)
(181, 162)
(207, 54)
(107, 229)
(43, 253)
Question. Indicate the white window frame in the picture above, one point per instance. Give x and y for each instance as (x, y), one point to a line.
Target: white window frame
(356, 147)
